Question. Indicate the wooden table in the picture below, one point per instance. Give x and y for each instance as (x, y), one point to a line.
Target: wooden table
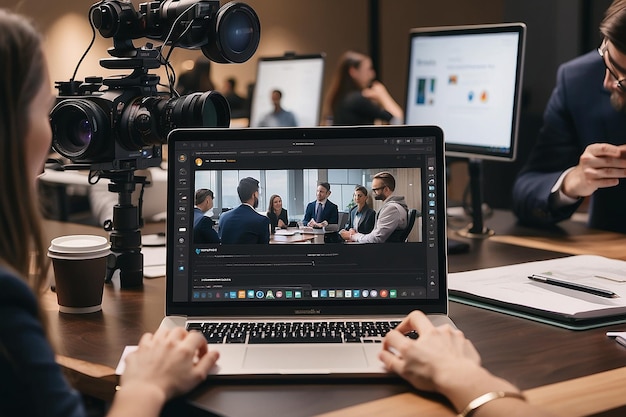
(571, 373)
(569, 237)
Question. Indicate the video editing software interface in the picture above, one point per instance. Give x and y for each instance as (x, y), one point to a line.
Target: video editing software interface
(295, 266)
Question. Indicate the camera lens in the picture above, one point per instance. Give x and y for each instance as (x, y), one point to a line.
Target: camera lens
(78, 128)
(209, 109)
(236, 34)
(239, 31)
(148, 121)
(83, 132)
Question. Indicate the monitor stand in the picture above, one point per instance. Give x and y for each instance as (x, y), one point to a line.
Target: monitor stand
(476, 229)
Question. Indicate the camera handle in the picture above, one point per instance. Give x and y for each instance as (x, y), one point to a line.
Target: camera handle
(142, 60)
(125, 230)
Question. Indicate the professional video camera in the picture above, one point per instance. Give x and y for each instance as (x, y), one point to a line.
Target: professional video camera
(114, 126)
(119, 123)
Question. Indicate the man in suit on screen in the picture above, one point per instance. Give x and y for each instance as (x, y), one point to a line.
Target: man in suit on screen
(244, 225)
(322, 211)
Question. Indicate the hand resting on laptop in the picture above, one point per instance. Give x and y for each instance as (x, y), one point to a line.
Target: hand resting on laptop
(444, 361)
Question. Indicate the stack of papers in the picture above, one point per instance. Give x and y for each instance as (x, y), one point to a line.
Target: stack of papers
(508, 289)
(286, 232)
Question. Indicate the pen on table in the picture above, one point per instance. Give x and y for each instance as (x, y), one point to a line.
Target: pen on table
(573, 286)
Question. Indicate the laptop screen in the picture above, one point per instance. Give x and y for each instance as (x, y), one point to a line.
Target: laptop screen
(300, 269)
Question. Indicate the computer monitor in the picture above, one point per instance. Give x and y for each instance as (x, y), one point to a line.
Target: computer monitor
(299, 79)
(468, 80)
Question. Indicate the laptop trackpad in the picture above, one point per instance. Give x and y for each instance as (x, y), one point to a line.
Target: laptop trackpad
(309, 358)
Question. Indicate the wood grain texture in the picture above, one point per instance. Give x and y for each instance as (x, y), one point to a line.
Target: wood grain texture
(570, 373)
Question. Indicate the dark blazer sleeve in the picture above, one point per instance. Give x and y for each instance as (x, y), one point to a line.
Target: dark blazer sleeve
(203, 232)
(331, 212)
(366, 225)
(263, 229)
(350, 221)
(283, 216)
(571, 123)
(308, 213)
(32, 383)
(273, 219)
(224, 228)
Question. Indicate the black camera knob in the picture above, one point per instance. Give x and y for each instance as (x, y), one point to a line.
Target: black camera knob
(93, 80)
(116, 19)
(103, 20)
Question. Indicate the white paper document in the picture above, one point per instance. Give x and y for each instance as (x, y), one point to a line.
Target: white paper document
(153, 261)
(286, 232)
(511, 287)
(121, 365)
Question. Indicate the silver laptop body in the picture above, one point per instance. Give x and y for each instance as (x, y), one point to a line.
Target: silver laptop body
(328, 303)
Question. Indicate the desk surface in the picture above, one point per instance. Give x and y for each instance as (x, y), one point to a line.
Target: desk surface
(529, 354)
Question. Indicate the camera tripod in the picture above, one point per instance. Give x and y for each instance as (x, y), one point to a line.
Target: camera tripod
(125, 230)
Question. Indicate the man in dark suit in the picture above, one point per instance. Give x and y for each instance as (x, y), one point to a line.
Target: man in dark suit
(203, 224)
(204, 231)
(322, 211)
(581, 148)
(244, 225)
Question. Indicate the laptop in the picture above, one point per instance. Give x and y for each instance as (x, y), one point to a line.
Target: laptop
(304, 304)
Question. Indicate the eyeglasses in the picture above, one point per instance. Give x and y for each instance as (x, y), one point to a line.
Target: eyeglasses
(378, 188)
(602, 51)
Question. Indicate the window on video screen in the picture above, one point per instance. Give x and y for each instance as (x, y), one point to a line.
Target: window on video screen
(295, 251)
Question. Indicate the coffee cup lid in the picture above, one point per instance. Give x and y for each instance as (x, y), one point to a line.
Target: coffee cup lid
(76, 245)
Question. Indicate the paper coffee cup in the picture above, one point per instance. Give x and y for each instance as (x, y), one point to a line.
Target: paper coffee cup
(79, 263)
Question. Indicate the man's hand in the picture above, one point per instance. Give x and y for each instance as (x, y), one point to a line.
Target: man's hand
(601, 165)
(346, 234)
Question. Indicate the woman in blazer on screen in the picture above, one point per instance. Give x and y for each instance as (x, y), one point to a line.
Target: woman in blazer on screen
(361, 217)
(276, 213)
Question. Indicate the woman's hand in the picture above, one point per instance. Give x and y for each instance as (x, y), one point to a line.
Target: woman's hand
(427, 361)
(172, 361)
(444, 361)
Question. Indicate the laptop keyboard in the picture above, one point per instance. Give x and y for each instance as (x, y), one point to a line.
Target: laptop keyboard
(294, 332)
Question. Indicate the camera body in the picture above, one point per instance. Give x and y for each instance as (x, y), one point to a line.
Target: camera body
(120, 123)
(89, 129)
(124, 128)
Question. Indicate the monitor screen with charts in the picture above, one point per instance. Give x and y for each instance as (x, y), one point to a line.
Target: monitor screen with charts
(303, 269)
(467, 80)
(298, 80)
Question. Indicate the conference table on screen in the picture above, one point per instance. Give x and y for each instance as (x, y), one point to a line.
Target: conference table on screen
(297, 235)
(573, 373)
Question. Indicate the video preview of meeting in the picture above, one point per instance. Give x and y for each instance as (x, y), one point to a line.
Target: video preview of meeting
(268, 227)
